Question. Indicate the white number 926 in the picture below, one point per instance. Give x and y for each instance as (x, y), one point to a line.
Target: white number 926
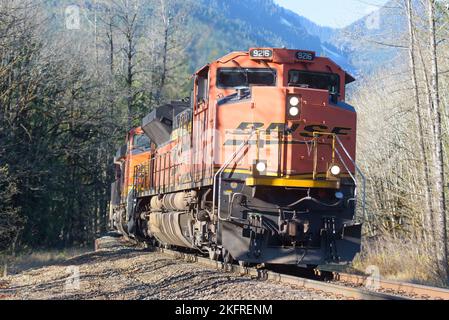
(261, 53)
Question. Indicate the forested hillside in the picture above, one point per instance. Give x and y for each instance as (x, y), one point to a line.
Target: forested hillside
(69, 92)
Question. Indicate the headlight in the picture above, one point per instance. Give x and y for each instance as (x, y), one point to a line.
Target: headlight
(335, 170)
(294, 101)
(261, 167)
(339, 195)
(293, 111)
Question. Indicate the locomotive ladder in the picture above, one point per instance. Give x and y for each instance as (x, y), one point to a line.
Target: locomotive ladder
(220, 173)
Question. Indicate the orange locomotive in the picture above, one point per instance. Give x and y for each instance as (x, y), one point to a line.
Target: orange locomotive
(258, 167)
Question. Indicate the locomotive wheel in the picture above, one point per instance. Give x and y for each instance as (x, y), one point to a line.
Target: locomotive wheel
(140, 230)
(120, 223)
(227, 258)
(141, 227)
(153, 243)
(243, 267)
(213, 255)
(243, 264)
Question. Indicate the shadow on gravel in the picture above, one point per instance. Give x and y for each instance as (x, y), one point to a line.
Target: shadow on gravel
(187, 285)
(182, 286)
(135, 281)
(43, 287)
(102, 256)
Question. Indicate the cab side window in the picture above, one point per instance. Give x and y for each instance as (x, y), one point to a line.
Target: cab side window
(141, 143)
(203, 87)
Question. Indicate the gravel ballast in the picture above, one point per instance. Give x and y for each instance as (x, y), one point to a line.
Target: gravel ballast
(127, 273)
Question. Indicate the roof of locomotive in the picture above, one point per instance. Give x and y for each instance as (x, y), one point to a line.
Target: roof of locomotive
(282, 56)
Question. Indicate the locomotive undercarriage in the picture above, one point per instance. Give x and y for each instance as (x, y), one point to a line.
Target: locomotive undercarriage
(290, 226)
(255, 225)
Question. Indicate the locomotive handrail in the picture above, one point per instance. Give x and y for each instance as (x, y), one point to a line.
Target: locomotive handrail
(335, 139)
(359, 171)
(220, 171)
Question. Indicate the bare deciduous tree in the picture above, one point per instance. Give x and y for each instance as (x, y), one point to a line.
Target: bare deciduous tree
(440, 210)
(428, 208)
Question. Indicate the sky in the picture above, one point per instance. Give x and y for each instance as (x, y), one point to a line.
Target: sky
(332, 13)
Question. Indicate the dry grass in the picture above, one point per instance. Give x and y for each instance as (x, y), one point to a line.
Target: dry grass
(38, 258)
(400, 260)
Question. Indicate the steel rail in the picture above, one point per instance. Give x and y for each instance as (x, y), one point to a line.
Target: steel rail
(338, 291)
(415, 291)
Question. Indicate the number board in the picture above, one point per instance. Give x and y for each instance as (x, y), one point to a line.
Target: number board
(263, 54)
(305, 55)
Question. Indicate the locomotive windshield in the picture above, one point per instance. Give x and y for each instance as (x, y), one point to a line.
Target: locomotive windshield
(315, 80)
(245, 77)
(141, 142)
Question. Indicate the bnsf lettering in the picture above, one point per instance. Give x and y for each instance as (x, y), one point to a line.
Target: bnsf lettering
(309, 130)
(250, 125)
(306, 132)
(276, 127)
(340, 131)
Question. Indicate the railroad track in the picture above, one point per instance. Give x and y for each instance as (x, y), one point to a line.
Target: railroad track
(342, 285)
(409, 290)
(339, 291)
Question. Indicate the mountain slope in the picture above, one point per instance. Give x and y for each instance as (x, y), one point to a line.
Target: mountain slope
(216, 27)
(236, 25)
(375, 40)
(361, 48)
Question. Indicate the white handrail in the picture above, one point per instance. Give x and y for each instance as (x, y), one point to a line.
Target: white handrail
(359, 171)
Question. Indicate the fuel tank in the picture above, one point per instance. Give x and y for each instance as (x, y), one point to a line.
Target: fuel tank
(172, 228)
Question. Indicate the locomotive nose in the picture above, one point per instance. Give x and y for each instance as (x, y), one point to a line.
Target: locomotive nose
(292, 139)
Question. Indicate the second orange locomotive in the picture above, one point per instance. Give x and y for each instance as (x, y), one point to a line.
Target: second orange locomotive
(257, 167)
